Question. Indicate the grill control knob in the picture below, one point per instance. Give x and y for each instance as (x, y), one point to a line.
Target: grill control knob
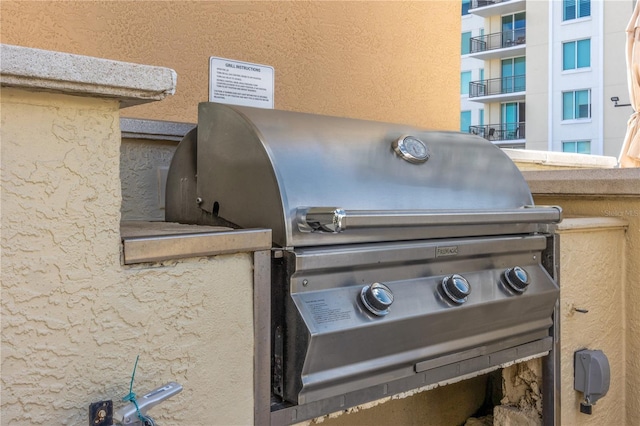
(456, 288)
(376, 298)
(517, 279)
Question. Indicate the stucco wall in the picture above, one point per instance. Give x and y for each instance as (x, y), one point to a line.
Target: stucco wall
(592, 278)
(596, 256)
(386, 61)
(73, 318)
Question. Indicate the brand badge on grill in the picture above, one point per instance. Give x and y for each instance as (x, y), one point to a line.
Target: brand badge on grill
(446, 251)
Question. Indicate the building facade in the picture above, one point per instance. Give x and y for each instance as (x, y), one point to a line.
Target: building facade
(547, 74)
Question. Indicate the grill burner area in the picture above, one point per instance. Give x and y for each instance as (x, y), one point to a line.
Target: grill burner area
(401, 258)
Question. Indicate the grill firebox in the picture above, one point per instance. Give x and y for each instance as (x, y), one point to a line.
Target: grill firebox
(402, 257)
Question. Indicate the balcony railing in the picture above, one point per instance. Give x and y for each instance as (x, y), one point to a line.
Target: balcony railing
(500, 40)
(482, 3)
(497, 86)
(500, 132)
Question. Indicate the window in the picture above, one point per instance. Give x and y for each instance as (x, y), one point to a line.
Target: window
(481, 113)
(576, 54)
(465, 79)
(574, 9)
(481, 73)
(513, 74)
(576, 105)
(465, 121)
(513, 29)
(465, 47)
(579, 147)
(512, 117)
(466, 4)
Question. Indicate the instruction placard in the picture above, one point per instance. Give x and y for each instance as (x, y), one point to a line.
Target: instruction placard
(240, 83)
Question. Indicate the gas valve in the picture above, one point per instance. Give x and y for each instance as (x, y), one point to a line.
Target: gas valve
(132, 415)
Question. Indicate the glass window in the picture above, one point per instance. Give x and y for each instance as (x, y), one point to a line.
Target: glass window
(576, 54)
(567, 106)
(513, 74)
(569, 10)
(465, 79)
(583, 53)
(569, 55)
(512, 120)
(466, 4)
(513, 29)
(481, 73)
(576, 104)
(466, 43)
(579, 147)
(583, 105)
(481, 112)
(584, 8)
(573, 9)
(465, 121)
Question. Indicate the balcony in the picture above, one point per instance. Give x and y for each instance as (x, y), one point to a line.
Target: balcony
(486, 8)
(492, 46)
(504, 134)
(504, 89)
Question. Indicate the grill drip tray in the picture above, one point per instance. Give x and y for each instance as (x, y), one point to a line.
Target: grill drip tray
(286, 413)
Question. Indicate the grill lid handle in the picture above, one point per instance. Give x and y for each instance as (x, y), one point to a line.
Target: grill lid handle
(335, 219)
(321, 219)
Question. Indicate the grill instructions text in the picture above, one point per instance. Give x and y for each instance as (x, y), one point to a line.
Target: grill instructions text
(324, 312)
(240, 83)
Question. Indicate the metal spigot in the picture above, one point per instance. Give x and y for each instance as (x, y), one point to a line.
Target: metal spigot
(130, 415)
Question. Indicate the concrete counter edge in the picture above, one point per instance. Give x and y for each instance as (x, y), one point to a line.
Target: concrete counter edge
(585, 182)
(65, 73)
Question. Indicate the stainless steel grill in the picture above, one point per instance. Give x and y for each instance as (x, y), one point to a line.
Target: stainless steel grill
(402, 257)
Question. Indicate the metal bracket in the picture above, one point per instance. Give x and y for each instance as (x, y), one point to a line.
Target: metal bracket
(101, 413)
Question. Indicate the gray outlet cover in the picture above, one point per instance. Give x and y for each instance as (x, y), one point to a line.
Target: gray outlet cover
(592, 374)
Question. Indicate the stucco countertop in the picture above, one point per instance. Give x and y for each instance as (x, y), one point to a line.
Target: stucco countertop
(585, 182)
(158, 241)
(59, 72)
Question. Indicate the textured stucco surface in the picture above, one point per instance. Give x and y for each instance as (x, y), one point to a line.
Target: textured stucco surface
(598, 255)
(522, 400)
(141, 163)
(388, 61)
(592, 278)
(591, 273)
(73, 318)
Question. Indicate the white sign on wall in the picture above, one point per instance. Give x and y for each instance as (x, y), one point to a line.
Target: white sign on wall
(240, 83)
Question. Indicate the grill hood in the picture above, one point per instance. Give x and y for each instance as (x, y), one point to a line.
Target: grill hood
(318, 180)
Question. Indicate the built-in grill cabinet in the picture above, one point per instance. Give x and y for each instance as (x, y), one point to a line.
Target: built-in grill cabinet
(402, 257)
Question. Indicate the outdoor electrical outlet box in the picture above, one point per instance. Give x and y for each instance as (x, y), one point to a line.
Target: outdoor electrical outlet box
(591, 376)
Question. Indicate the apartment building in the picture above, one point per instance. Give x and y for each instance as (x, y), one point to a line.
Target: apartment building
(541, 74)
